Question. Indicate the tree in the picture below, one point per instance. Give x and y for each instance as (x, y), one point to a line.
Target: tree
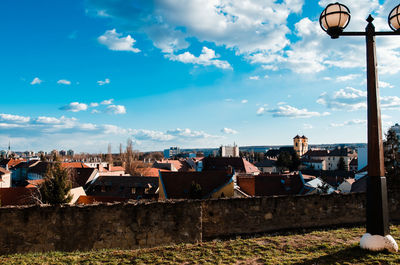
(295, 162)
(55, 189)
(109, 155)
(284, 160)
(341, 164)
(392, 160)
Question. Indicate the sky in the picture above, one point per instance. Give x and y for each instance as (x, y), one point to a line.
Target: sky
(82, 74)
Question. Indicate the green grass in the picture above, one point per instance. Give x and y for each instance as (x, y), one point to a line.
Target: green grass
(336, 246)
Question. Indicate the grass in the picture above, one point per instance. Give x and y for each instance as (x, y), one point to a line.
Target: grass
(336, 246)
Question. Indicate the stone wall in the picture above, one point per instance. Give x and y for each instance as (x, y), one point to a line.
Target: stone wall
(125, 226)
(130, 226)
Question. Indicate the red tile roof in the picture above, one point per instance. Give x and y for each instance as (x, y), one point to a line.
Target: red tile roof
(74, 165)
(99, 199)
(3, 171)
(177, 184)
(240, 165)
(266, 184)
(17, 196)
(34, 183)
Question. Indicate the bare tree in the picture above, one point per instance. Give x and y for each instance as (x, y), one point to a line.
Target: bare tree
(109, 155)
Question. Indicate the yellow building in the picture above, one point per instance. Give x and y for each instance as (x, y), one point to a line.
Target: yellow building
(300, 144)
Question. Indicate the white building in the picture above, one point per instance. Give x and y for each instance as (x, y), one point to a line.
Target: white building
(229, 151)
(5, 178)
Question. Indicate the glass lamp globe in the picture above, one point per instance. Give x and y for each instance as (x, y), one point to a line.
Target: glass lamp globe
(394, 18)
(334, 19)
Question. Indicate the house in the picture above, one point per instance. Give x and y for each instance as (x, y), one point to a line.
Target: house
(345, 186)
(173, 165)
(111, 170)
(85, 199)
(267, 184)
(316, 164)
(313, 158)
(125, 187)
(5, 178)
(196, 185)
(18, 196)
(267, 166)
(240, 165)
(10, 163)
(320, 186)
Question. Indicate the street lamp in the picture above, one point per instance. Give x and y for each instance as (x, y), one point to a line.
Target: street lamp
(333, 20)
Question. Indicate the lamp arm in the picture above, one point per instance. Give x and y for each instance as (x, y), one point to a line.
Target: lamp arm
(362, 33)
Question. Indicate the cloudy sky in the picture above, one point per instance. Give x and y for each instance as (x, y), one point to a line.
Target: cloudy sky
(82, 74)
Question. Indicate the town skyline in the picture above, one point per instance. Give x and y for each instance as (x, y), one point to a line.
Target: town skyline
(84, 74)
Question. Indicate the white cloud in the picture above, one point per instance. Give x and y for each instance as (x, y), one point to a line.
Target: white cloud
(292, 112)
(390, 102)
(228, 100)
(260, 111)
(149, 135)
(346, 98)
(14, 118)
(36, 81)
(383, 84)
(345, 78)
(307, 126)
(101, 83)
(228, 131)
(47, 120)
(114, 41)
(348, 123)
(244, 101)
(116, 109)
(75, 107)
(256, 77)
(257, 30)
(64, 82)
(206, 58)
(107, 101)
(94, 104)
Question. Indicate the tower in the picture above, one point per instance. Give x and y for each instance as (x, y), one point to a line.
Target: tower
(300, 145)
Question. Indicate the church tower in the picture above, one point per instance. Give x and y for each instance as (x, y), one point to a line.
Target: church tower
(300, 145)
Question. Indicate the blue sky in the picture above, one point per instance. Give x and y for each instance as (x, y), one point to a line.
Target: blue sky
(83, 74)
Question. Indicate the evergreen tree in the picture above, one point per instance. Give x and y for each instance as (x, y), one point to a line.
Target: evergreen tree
(55, 189)
(284, 160)
(295, 162)
(342, 164)
(392, 160)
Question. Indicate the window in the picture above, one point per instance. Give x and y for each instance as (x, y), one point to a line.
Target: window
(133, 190)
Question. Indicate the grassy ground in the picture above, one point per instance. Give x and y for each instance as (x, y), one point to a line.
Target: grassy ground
(338, 246)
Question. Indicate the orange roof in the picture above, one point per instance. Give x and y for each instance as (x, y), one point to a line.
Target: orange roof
(150, 171)
(117, 168)
(98, 199)
(17, 196)
(34, 183)
(74, 165)
(3, 171)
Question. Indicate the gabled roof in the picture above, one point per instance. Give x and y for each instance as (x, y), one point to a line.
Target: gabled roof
(4, 171)
(82, 176)
(266, 163)
(74, 165)
(177, 185)
(317, 153)
(121, 187)
(17, 196)
(99, 199)
(11, 162)
(266, 184)
(171, 164)
(239, 164)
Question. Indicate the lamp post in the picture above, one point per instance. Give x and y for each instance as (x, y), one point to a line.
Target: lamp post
(333, 20)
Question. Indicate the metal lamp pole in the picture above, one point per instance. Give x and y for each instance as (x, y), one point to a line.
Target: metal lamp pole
(333, 20)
